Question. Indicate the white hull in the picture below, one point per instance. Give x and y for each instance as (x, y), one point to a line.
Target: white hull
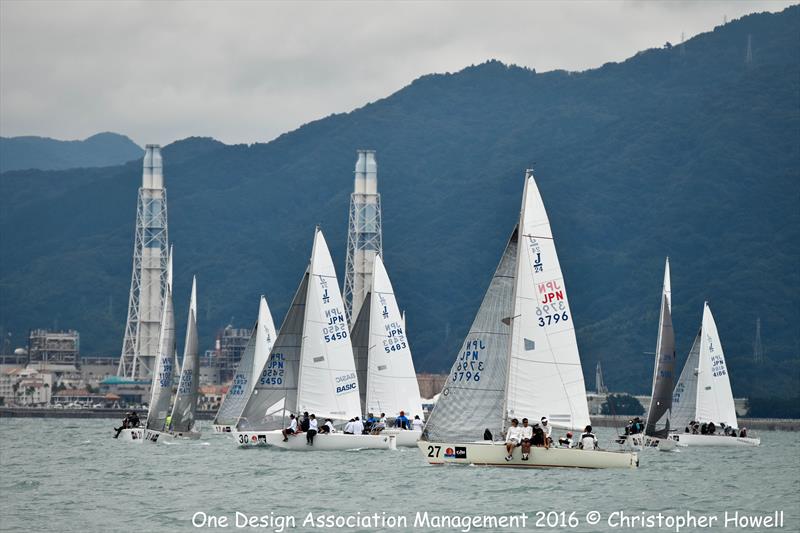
(493, 454)
(641, 442)
(324, 442)
(404, 437)
(690, 439)
(149, 435)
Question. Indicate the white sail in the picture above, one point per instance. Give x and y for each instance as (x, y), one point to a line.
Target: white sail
(659, 411)
(185, 407)
(250, 367)
(328, 386)
(161, 389)
(714, 395)
(545, 377)
(391, 378)
(684, 397)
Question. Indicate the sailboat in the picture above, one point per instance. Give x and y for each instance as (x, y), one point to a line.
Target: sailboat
(251, 367)
(657, 426)
(184, 409)
(161, 387)
(703, 393)
(310, 368)
(387, 380)
(520, 359)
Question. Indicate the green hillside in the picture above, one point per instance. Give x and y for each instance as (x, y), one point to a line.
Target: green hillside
(689, 152)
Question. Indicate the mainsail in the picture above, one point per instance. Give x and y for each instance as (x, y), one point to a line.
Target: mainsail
(545, 377)
(714, 395)
(391, 378)
(250, 367)
(185, 407)
(684, 397)
(659, 412)
(473, 396)
(161, 389)
(276, 386)
(327, 386)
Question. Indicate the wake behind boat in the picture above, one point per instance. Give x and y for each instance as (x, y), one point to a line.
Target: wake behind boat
(520, 359)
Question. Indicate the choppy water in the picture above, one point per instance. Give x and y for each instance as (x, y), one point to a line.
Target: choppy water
(71, 476)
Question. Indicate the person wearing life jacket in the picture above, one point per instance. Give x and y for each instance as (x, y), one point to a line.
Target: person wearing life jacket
(527, 438)
(168, 422)
(291, 430)
(513, 438)
(588, 440)
(312, 430)
(566, 442)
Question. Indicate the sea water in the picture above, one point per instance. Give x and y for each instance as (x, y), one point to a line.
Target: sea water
(70, 475)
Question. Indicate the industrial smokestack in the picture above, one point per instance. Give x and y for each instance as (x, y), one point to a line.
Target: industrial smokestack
(152, 173)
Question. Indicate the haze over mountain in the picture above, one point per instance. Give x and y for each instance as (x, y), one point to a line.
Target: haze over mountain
(103, 149)
(689, 151)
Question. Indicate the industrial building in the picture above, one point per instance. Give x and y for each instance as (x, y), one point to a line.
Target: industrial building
(53, 347)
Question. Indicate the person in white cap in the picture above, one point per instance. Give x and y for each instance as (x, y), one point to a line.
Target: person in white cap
(547, 428)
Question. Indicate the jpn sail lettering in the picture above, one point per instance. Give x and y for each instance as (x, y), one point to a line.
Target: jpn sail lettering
(274, 370)
(471, 362)
(552, 304)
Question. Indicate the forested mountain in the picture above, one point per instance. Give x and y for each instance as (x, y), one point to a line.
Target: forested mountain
(103, 149)
(686, 151)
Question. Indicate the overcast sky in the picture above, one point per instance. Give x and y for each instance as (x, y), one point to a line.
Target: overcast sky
(249, 71)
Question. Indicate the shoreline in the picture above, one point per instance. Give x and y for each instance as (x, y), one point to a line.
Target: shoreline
(770, 424)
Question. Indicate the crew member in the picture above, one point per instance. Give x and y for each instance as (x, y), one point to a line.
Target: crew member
(588, 440)
(527, 435)
(291, 430)
(513, 438)
(312, 430)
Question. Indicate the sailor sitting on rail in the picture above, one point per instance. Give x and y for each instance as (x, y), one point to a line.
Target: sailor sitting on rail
(513, 437)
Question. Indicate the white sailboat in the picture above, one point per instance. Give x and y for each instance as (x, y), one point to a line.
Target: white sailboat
(251, 367)
(387, 379)
(520, 359)
(703, 393)
(310, 368)
(657, 424)
(182, 421)
(161, 388)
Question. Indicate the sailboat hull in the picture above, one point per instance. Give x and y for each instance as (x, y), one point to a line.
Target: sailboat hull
(641, 442)
(690, 439)
(404, 437)
(323, 442)
(494, 453)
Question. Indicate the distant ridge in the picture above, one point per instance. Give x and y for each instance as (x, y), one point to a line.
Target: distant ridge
(688, 153)
(44, 153)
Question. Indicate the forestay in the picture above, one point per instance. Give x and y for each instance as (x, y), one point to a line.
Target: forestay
(472, 398)
(714, 395)
(251, 365)
(392, 384)
(545, 376)
(183, 412)
(328, 386)
(684, 397)
(161, 389)
(659, 412)
(277, 383)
